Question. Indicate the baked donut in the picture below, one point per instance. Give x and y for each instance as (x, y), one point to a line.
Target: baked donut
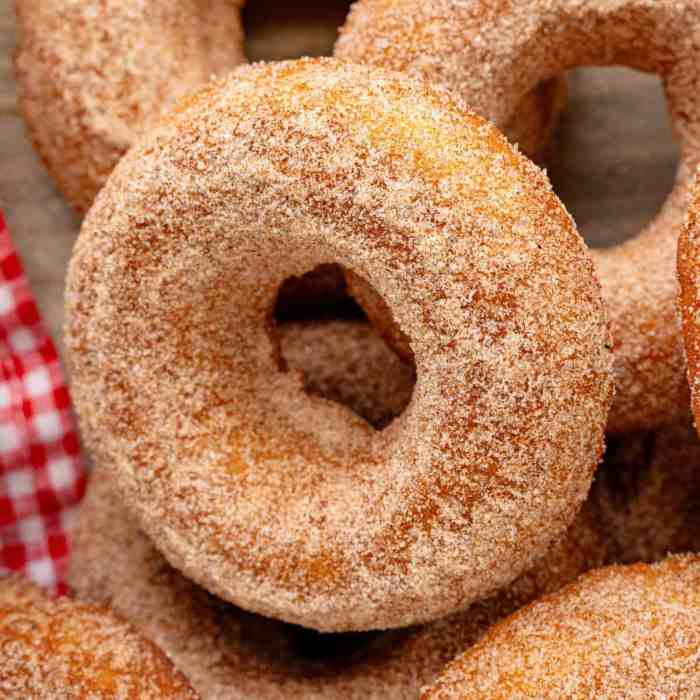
(293, 507)
(646, 494)
(93, 75)
(491, 53)
(68, 650)
(229, 654)
(619, 632)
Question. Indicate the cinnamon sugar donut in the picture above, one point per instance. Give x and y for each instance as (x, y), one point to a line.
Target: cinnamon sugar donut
(284, 504)
(67, 650)
(491, 53)
(620, 632)
(93, 75)
(232, 655)
(646, 494)
(688, 267)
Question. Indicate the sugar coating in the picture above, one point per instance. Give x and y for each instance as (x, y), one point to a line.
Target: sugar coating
(283, 503)
(646, 494)
(492, 53)
(92, 75)
(619, 632)
(689, 298)
(229, 654)
(68, 650)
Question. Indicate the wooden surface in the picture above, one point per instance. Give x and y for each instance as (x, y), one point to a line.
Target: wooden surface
(613, 158)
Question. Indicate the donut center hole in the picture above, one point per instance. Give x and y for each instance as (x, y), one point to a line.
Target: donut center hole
(614, 157)
(277, 30)
(320, 331)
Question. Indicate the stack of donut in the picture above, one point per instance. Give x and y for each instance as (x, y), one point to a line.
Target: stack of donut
(346, 367)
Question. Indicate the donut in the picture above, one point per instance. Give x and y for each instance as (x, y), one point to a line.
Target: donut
(689, 298)
(289, 506)
(491, 53)
(646, 494)
(93, 75)
(229, 654)
(64, 650)
(618, 632)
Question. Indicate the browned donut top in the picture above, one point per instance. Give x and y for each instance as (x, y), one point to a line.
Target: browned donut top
(67, 650)
(621, 632)
(277, 501)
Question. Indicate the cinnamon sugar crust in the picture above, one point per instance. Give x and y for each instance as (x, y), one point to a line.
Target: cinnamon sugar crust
(491, 53)
(92, 75)
(281, 502)
(229, 654)
(68, 650)
(688, 263)
(619, 632)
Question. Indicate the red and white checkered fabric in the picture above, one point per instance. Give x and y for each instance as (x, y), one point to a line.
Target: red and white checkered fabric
(42, 476)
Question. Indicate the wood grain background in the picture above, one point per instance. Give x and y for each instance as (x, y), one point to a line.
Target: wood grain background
(613, 159)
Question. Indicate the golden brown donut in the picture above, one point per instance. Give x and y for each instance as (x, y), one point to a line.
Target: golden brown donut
(491, 53)
(689, 302)
(290, 506)
(68, 650)
(232, 655)
(646, 494)
(93, 75)
(619, 632)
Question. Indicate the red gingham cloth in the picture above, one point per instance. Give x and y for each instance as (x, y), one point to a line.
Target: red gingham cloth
(42, 476)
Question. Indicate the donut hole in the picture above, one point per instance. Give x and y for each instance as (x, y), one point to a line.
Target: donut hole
(614, 159)
(277, 30)
(320, 331)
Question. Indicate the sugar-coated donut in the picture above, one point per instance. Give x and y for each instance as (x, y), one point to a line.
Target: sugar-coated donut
(284, 504)
(646, 494)
(619, 632)
(689, 302)
(231, 655)
(491, 53)
(68, 650)
(94, 74)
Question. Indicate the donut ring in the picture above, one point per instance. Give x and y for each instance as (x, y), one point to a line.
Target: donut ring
(509, 48)
(285, 505)
(93, 75)
(646, 494)
(231, 655)
(620, 632)
(66, 649)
